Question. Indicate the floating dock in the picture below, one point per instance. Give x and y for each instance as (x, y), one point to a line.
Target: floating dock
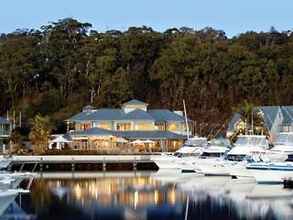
(82, 163)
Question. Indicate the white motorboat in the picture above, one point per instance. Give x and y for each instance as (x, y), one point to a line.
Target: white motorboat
(168, 161)
(5, 162)
(6, 198)
(192, 147)
(248, 145)
(12, 180)
(211, 161)
(283, 147)
(270, 172)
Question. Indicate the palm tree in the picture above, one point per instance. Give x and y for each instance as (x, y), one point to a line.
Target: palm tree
(251, 116)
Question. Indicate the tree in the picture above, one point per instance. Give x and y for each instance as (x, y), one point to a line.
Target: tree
(251, 116)
(40, 133)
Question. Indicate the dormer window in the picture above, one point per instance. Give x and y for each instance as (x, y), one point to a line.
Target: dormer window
(88, 108)
(133, 105)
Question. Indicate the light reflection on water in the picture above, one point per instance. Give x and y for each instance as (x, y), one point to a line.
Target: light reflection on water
(133, 196)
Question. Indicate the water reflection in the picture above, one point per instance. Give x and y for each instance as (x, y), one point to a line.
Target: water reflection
(133, 196)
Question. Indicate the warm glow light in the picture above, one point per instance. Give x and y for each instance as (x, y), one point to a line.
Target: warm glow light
(172, 196)
(156, 195)
(135, 199)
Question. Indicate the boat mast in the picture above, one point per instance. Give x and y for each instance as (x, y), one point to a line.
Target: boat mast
(252, 128)
(186, 121)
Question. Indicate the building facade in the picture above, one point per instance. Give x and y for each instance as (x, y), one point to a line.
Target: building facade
(275, 119)
(132, 124)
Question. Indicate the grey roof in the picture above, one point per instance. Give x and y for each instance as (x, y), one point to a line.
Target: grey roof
(236, 117)
(138, 114)
(152, 135)
(134, 102)
(162, 115)
(131, 135)
(107, 114)
(80, 116)
(102, 114)
(144, 135)
(92, 132)
(4, 121)
(269, 114)
(287, 112)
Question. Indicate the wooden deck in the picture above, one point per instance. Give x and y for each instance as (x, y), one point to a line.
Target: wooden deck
(84, 162)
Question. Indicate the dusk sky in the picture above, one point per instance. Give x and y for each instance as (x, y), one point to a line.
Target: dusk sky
(232, 16)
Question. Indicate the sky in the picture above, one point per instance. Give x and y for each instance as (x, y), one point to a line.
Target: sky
(231, 16)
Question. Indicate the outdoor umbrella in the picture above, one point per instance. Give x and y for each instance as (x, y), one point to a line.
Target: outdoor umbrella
(121, 140)
(148, 142)
(137, 142)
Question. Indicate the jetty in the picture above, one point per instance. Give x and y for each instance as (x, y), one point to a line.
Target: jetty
(49, 163)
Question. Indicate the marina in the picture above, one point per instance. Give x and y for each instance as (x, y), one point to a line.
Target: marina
(146, 110)
(140, 195)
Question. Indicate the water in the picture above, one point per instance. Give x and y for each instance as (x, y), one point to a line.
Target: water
(134, 196)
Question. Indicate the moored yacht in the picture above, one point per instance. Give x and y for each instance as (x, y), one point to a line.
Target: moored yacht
(181, 158)
(283, 147)
(192, 147)
(267, 172)
(248, 145)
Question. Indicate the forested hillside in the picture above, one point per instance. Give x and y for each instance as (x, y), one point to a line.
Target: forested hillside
(62, 66)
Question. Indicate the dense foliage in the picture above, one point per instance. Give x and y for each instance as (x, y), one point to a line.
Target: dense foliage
(56, 70)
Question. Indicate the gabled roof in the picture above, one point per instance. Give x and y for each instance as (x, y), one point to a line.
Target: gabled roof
(138, 114)
(4, 121)
(162, 115)
(105, 114)
(269, 114)
(236, 117)
(80, 116)
(134, 102)
(287, 112)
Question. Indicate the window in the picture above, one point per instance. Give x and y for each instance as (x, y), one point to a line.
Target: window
(144, 126)
(123, 127)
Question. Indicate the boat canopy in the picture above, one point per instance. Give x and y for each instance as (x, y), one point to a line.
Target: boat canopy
(189, 150)
(284, 139)
(197, 141)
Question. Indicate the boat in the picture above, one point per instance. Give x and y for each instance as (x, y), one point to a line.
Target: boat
(246, 149)
(283, 147)
(212, 158)
(12, 180)
(192, 147)
(270, 172)
(7, 197)
(248, 145)
(180, 159)
(5, 161)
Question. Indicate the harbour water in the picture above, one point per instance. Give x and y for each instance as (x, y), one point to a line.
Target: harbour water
(136, 195)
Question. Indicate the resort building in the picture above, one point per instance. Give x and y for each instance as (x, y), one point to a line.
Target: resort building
(274, 119)
(132, 127)
(5, 129)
